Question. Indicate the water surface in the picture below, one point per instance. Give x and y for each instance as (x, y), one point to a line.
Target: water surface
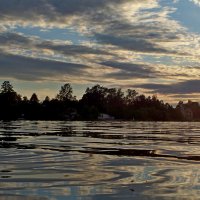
(57, 160)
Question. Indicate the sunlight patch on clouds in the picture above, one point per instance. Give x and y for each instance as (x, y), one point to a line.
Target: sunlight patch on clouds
(197, 2)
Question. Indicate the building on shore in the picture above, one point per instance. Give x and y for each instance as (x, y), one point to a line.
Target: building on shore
(104, 116)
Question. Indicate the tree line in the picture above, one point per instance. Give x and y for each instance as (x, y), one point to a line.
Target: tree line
(128, 105)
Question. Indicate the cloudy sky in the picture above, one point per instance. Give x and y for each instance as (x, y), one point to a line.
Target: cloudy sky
(152, 46)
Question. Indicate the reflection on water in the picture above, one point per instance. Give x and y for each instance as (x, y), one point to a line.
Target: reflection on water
(99, 160)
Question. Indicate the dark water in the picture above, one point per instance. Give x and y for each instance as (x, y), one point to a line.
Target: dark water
(99, 160)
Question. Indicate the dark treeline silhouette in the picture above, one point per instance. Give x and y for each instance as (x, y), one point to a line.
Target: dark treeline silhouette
(98, 102)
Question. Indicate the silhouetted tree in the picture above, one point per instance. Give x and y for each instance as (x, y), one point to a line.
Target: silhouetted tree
(9, 101)
(115, 102)
(96, 100)
(8, 95)
(6, 87)
(34, 98)
(95, 97)
(130, 96)
(25, 99)
(47, 99)
(65, 93)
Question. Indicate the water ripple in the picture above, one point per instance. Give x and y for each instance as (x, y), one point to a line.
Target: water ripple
(99, 160)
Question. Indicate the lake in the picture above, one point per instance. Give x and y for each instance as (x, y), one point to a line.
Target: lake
(59, 160)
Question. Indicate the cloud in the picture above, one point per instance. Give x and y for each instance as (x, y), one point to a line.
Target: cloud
(197, 2)
(49, 13)
(132, 43)
(124, 71)
(185, 87)
(18, 40)
(8, 39)
(26, 68)
(121, 35)
(133, 25)
(68, 49)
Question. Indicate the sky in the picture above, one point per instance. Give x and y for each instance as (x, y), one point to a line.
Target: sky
(152, 46)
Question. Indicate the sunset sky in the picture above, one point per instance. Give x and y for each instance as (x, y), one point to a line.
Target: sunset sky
(152, 46)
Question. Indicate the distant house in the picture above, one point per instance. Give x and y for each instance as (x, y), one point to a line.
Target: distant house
(73, 115)
(103, 116)
(69, 115)
(21, 117)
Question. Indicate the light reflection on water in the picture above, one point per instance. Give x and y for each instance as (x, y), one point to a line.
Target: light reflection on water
(43, 160)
